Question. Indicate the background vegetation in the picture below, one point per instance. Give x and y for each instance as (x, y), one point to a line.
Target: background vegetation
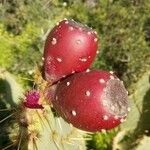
(123, 28)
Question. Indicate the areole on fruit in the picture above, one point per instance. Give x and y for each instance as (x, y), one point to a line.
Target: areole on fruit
(92, 101)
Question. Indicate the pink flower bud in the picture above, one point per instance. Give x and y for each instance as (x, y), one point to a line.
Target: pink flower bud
(32, 100)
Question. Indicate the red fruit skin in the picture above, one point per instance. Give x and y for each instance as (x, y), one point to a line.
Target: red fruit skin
(90, 100)
(70, 47)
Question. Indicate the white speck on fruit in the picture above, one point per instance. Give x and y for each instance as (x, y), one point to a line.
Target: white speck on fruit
(127, 92)
(103, 131)
(43, 58)
(89, 33)
(101, 80)
(116, 117)
(59, 59)
(111, 72)
(89, 56)
(73, 112)
(71, 28)
(112, 77)
(105, 117)
(64, 76)
(87, 70)
(87, 93)
(73, 72)
(95, 40)
(78, 41)
(83, 59)
(57, 23)
(65, 18)
(66, 22)
(129, 109)
(54, 41)
(68, 83)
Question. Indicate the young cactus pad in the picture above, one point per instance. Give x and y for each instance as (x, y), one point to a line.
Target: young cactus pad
(92, 101)
(70, 47)
(48, 132)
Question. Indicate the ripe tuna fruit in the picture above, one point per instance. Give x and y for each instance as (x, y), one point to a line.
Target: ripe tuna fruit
(70, 47)
(92, 101)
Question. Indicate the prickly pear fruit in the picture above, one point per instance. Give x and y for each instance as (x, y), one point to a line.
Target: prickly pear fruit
(70, 47)
(92, 101)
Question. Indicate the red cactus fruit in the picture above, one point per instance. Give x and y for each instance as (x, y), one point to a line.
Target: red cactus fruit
(92, 101)
(70, 47)
(32, 100)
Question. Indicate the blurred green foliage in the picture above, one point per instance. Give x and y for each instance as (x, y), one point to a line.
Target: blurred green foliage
(123, 28)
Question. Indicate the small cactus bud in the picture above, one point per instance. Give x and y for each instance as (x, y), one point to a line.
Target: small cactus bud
(32, 100)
